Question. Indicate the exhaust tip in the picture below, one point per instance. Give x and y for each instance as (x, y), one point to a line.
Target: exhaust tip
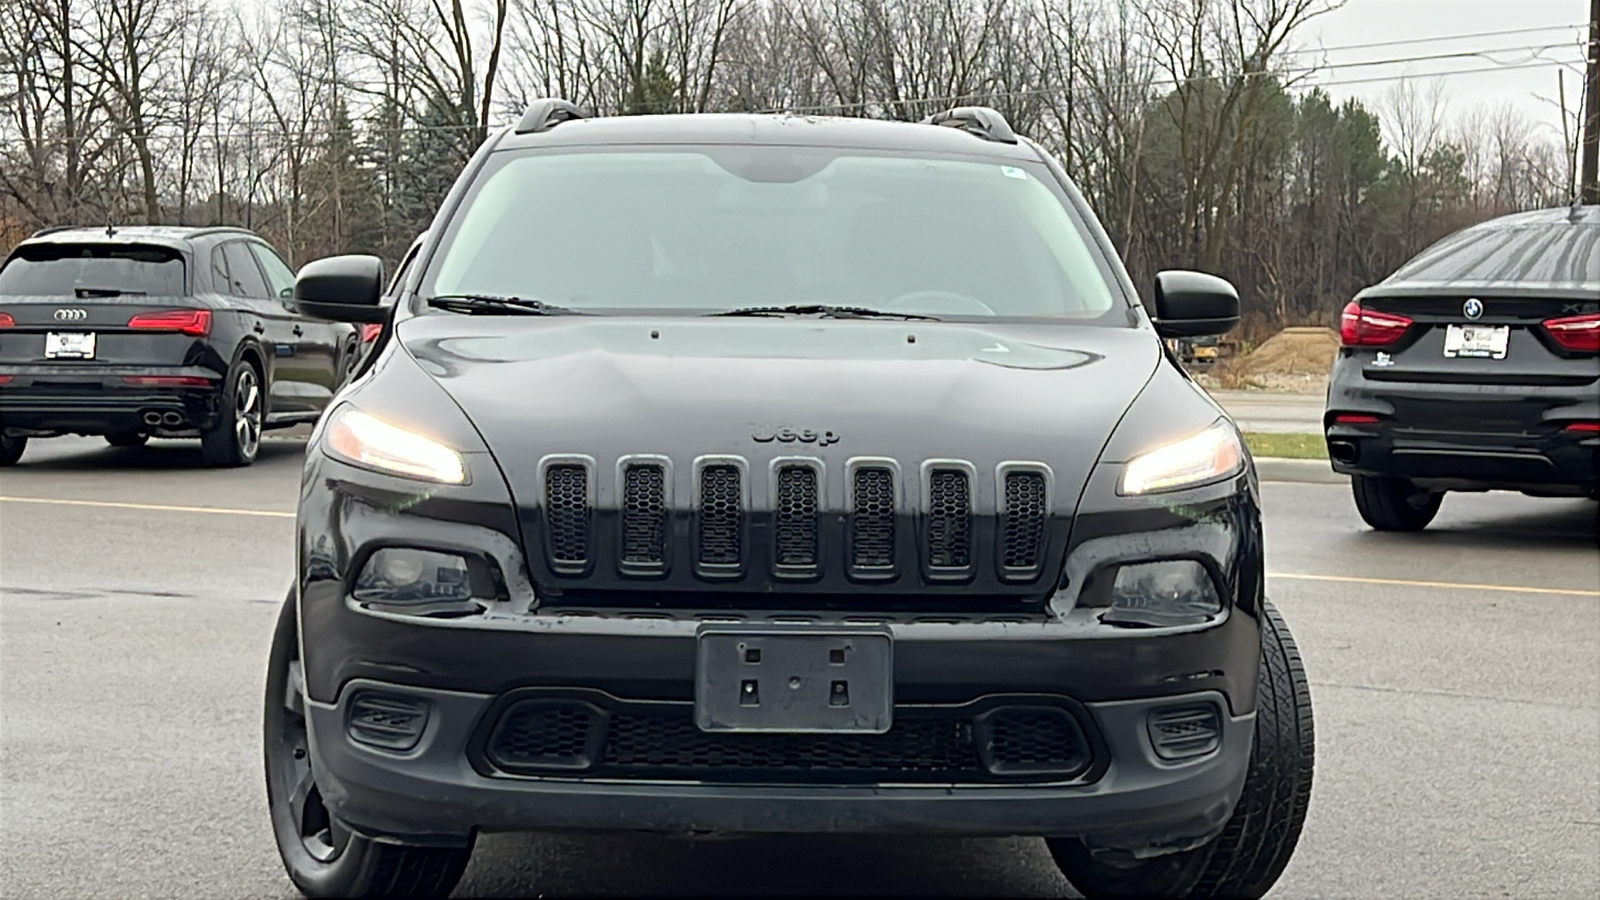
(1344, 451)
(152, 418)
(171, 418)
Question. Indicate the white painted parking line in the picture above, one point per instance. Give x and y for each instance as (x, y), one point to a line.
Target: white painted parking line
(157, 507)
(1456, 585)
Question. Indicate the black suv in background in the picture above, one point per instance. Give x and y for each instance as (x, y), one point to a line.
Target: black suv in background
(774, 474)
(147, 331)
(1474, 367)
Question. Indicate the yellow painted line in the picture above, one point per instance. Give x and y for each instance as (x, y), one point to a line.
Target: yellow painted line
(157, 507)
(1458, 585)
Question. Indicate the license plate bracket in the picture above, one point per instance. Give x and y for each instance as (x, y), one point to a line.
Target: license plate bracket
(794, 680)
(1476, 341)
(68, 345)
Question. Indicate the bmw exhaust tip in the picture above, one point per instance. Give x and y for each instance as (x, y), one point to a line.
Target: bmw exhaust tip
(151, 417)
(1344, 451)
(171, 419)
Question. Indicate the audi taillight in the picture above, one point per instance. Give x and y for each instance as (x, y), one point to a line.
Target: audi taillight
(6, 321)
(1361, 327)
(193, 322)
(1580, 334)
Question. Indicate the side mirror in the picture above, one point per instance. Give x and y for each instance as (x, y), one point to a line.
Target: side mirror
(1189, 304)
(341, 288)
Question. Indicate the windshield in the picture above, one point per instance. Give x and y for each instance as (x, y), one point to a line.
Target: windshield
(93, 269)
(720, 228)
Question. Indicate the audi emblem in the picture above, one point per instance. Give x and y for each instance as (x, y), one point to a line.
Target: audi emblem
(71, 315)
(1473, 308)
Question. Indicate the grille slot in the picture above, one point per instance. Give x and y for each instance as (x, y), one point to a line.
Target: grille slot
(1023, 523)
(949, 519)
(548, 734)
(872, 522)
(644, 516)
(721, 517)
(795, 518)
(566, 487)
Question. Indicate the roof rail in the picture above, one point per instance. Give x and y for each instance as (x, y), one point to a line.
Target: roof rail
(982, 121)
(219, 229)
(52, 230)
(547, 112)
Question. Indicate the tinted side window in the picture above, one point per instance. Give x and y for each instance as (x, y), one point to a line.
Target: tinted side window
(245, 274)
(280, 278)
(93, 270)
(220, 281)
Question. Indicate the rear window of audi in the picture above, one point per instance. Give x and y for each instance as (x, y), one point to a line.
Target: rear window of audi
(93, 270)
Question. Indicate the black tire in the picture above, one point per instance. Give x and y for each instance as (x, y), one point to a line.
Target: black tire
(1394, 504)
(321, 856)
(11, 449)
(235, 437)
(1247, 858)
(127, 439)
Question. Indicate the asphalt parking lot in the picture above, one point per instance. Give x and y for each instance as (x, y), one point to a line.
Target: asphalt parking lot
(1456, 676)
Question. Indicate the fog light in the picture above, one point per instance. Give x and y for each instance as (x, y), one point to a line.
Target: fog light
(387, 721)
(406, 575)
(1155, 594)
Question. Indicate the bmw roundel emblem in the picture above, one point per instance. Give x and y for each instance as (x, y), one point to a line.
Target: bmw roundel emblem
(1473, 308)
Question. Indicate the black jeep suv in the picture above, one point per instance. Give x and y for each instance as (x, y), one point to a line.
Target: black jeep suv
(149, 331)
(768, 474)
(1474, 367)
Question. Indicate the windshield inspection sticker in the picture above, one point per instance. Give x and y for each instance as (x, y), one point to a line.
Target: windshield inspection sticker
(1013, 172)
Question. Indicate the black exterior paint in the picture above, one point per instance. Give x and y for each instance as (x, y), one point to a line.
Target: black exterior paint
(300, 358)
(514, 393)
(1480, 424)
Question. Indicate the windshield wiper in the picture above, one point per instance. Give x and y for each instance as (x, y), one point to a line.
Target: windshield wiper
(480, 304)
(823, 310)
(104, 292)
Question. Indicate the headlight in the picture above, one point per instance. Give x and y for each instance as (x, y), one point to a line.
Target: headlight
(366, 440)
(1211, 455)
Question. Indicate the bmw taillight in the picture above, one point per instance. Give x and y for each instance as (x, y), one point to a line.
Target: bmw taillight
(1361, 327)
(1580, 334)
(193, 322)
(6, 321)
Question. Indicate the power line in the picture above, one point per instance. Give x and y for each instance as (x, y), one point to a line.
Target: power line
(1437, 39)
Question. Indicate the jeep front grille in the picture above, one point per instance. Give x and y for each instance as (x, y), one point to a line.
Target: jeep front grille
(816, 526)
(795, 518)
(721, 525)
(567, 508)
(949, 531)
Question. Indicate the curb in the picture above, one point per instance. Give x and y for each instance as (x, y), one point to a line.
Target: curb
(1301, 471)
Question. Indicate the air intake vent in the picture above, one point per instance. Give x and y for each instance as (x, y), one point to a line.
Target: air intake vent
(949, 519)
(795, 518)
(872, 522)
(721, 517)
(1023, 523)
(566, 491)
(644, 517)
(1181, 732)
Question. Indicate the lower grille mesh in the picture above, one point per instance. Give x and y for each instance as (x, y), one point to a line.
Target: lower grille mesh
(661, 741)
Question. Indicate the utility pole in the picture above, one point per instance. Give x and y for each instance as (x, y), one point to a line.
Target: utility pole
(1591, 111)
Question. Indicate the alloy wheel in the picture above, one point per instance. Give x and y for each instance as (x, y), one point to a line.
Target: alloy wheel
(247, 413)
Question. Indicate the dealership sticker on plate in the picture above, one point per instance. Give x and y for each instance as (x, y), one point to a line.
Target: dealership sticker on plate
(1476, 341)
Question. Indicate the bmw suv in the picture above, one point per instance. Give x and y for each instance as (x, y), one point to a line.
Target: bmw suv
(1474, 367)
(747, 474)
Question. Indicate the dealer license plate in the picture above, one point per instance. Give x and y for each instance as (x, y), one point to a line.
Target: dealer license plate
(1476, 341)
(68, 345)
(794, 680)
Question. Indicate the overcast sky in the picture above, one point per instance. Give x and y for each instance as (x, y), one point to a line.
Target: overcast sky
(1532, 89)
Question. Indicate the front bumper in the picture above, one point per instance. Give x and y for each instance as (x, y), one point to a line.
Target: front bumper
(1138, 803)
(99, 400)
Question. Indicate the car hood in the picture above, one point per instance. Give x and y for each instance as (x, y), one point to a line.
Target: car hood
(759, 391)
